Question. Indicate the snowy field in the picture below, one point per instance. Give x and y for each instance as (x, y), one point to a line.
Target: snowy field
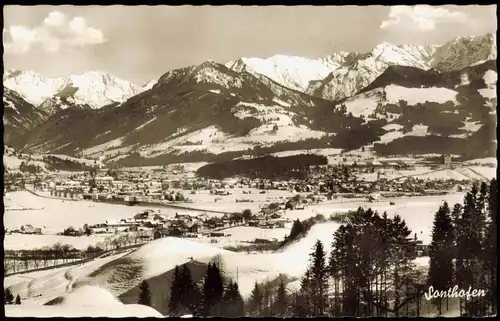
(203, 200)
(24, 241)
(56, 215)
(418, 212)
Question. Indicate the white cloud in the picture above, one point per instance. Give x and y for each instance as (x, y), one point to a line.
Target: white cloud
(421, 17)
(54, 34)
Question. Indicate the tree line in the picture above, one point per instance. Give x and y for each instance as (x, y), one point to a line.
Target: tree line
(267, 167)
(371, 270)
(214, 296)
(45, 256)
(463, 251)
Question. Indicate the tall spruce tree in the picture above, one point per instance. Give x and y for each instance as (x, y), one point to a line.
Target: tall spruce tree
(256, 301)
(8, 298)
(459, 231)
(188, 292)
(174, 304)
(490, 249)
(403, 253)
(213, 290)
(319, 280)
(302, 304)
(281, 300)
(144, 294)
(232, 302)
(470, 245)
(440, 272)
(18, 300)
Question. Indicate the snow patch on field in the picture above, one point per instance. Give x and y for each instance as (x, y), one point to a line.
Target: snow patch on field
(390, 136)
(276, 126)
(215, 91)
(364, 104)
(103, 134)
(281, 102)
(319, 151)
(419, 95)
(490, 77)
(112, 144)
(145, 124)
(88, 162)
(419, 130)
(390, 127)
(483, 161)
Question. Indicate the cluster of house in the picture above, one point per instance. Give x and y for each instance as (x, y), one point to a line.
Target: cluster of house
(24, 229)
(189, 224)
(129, 186)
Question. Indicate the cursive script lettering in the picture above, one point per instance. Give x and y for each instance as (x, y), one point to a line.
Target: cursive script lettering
(453, 293)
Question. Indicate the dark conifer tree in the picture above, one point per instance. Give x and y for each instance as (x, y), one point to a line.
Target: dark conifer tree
(174, 304)
(232, 302)
(18, 300)
(144, 294)
(302, 303)
(188, 292)
(281, 300)
(319, 280)
(490, 249)
(256, 301)
(441, 252)
(8, 297)
(213, 290)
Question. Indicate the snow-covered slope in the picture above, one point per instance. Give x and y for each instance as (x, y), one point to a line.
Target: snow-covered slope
(19, 117)
(94, 89)
(148, 85)
(465, 51)
(349, 79)
(292, 72)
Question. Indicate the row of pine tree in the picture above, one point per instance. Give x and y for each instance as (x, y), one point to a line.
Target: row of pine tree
(370, 270)
(463, 251)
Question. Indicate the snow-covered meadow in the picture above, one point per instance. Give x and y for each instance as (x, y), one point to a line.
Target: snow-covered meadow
(24, 241)
(56, 215)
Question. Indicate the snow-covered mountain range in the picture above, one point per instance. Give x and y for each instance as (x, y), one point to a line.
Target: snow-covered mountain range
(93, 89)
(343, 74)
(445, 96)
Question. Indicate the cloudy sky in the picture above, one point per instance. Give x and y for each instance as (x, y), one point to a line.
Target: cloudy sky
(142, 43)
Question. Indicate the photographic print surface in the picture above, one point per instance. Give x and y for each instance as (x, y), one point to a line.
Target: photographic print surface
(250, 161)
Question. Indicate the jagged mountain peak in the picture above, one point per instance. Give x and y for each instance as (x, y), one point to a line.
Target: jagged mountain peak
(290, 71)
(94, 88)
(208, 72)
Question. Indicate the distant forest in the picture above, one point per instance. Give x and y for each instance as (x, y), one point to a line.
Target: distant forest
(267, 167)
